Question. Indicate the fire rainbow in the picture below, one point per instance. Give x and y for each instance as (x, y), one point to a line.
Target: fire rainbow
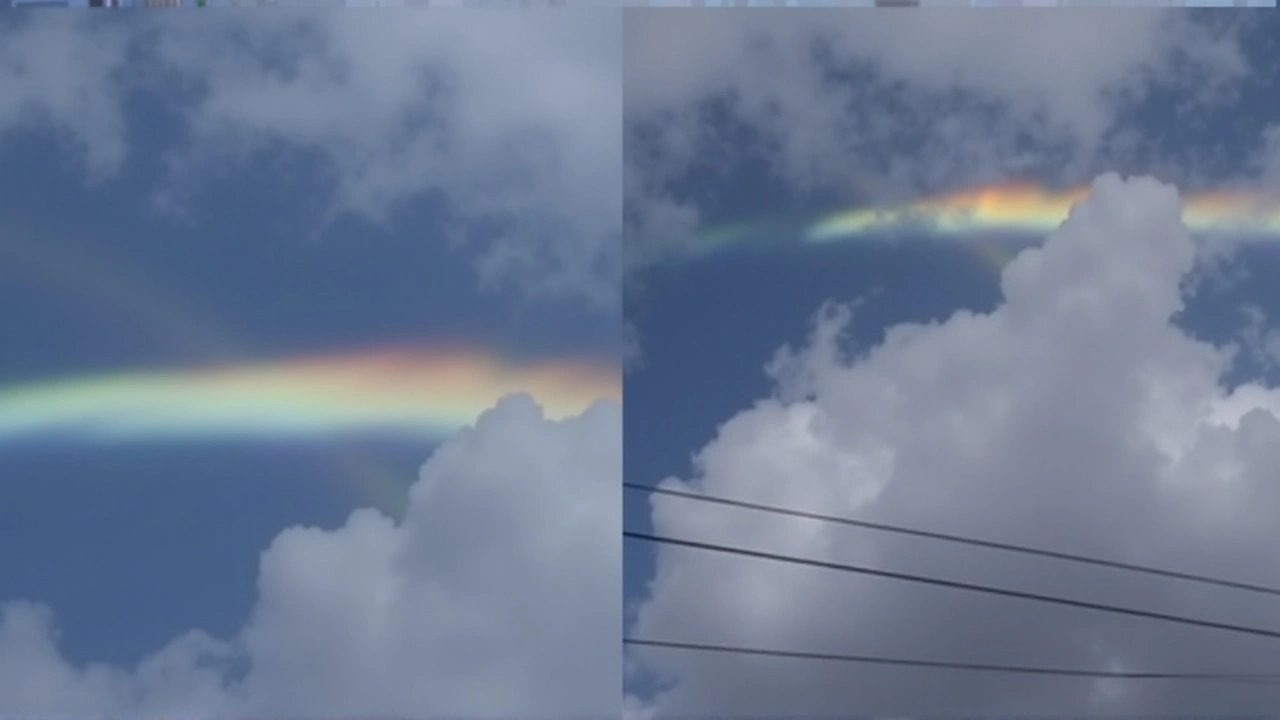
(1027, 209)
(399, 392)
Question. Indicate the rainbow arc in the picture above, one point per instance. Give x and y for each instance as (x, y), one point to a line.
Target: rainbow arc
(413, 393)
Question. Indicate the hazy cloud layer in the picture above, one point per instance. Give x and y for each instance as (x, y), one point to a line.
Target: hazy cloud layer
(885, 105)
(512, 119)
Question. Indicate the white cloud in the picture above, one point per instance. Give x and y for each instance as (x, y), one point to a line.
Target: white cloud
(1077, 415)
(1258, 340)
(63, 87)
(498, 595)
(835, 97)
(511, 118)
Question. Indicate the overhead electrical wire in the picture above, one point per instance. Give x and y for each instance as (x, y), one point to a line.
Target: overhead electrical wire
(954, 584)
(1008, 547)
(1263, 679)
(1245, 678)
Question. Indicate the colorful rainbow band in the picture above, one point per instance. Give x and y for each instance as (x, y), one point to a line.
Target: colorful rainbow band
(1023, 208)
(413, 393)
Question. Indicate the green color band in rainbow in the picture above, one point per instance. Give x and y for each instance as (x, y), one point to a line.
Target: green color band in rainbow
(412, 393)
(1024, 208)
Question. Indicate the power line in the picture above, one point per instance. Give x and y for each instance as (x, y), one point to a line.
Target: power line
(958, 539)
(1266, 679)
(973, 587)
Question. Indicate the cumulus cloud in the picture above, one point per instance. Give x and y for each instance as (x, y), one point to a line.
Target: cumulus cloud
(830, 100)
(496, 596)
(1077, 415)
(511, 119)
(1259, 340)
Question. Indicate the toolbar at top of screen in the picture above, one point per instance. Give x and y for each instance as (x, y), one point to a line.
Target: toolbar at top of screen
(511, 4)
(534, 4)
(940, 3)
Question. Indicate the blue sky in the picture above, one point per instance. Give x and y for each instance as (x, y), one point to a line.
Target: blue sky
(177, 193)
(161, 212)
(796, 115)
(243, 278)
